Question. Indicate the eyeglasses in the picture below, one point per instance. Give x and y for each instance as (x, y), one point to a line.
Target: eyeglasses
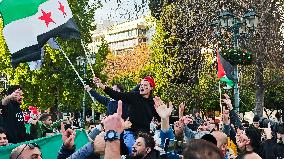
(31, 146)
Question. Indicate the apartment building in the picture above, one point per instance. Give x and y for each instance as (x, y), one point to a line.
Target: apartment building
(123, 36)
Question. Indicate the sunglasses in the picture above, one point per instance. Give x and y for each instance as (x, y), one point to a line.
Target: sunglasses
(31, 146)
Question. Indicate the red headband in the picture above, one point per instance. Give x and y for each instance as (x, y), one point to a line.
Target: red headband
(151, 81)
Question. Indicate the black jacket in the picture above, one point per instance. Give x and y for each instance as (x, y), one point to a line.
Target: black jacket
(141, 110)
(14, 122)
(110, 104)
(154, 154)
(270, 149)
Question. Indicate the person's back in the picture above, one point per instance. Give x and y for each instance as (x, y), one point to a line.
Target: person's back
(201, 149)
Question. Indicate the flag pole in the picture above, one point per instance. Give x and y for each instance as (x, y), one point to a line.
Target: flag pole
(73, 67)
(83, 45)
(220, 97)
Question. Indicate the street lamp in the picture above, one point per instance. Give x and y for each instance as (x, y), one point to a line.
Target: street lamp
(237, 26)
(4, 80)
(251, 19)
(81, 61)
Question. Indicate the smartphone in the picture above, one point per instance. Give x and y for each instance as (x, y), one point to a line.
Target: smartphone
(174, 146)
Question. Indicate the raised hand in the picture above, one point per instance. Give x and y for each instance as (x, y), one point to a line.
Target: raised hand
(87, 88)
(98, 82)
(178, 126)
(127, 124)
(115, 122)
(162, 109)
(15, 96)
(181, 109)
(68, 137)
(226, 117)
(227, 101)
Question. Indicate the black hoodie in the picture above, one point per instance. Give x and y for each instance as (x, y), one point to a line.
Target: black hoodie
(13, 122)
(141, 110)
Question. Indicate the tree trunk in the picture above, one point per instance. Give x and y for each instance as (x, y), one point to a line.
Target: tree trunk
(260, 89)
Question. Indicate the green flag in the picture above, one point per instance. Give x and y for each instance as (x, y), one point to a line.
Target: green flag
(29, 24)
(49, 146)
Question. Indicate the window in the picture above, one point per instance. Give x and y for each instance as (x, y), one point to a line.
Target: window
(142, 32)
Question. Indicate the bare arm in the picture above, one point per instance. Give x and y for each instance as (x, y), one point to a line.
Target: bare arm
(164, 112)
(112, 150)
(114, 122)
(181, 110)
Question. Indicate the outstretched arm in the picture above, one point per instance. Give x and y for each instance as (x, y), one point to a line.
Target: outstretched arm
(125, 97)
(101, 99)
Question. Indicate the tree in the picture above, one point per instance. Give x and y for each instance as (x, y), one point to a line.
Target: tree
(56, 84)
(129, 63)
(189, 21)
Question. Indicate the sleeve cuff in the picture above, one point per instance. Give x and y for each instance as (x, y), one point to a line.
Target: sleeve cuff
(72, 150)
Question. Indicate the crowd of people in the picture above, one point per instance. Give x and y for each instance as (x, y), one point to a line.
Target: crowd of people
(140, 126)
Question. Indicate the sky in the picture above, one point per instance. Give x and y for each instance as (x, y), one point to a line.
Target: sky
(121, 10)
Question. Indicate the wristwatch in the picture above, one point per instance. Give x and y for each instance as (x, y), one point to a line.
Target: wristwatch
(112, 135)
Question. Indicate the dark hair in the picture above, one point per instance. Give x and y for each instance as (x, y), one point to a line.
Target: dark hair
(201, 149)
(256, 119)
(44, 117)
(2, 131)
(264, 123)
(254, 135)
(209, 138)
(120, 87)
(149, 140)
(12, 89)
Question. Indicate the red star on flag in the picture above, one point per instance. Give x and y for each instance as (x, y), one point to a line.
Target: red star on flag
(46, 17)
(62, 9)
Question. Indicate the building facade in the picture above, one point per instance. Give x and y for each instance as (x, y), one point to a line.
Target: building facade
(122, 37)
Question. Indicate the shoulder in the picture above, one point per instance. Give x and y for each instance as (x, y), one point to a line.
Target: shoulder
(252, 156)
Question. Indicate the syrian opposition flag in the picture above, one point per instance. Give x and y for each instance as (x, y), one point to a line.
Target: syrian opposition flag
(225, 70)
(29, 24)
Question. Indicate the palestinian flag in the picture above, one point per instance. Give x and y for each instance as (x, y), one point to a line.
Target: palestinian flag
(29, 24)
(225, 70)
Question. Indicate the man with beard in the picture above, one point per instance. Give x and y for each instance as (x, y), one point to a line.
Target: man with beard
(13, 116)
(144, 148)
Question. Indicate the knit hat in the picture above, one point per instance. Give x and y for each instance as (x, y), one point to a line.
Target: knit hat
(151, 81)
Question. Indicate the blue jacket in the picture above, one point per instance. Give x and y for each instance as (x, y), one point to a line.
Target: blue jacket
(110, 104)
(83, 153)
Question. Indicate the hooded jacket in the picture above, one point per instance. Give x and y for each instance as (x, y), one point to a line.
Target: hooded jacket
(14, 122)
